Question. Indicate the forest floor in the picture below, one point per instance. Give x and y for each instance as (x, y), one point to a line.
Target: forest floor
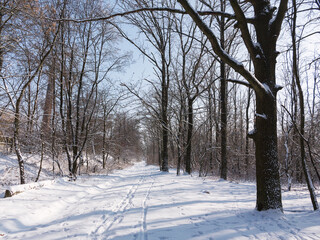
(142, 203)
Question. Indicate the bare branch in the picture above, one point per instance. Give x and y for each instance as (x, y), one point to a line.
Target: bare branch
(242, 24)
(148, 106)
(277, 21)
(237, 66)
(146, 9)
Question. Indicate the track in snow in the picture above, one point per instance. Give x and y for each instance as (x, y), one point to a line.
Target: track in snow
(118, 212)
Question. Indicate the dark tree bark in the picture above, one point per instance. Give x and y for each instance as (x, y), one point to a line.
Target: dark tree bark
(189, 136)
(164, 114)
(247, 135)
(223, 101)
(211, 143)
(180, 137)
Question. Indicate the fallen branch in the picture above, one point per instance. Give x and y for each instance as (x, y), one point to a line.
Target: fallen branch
(16, 189)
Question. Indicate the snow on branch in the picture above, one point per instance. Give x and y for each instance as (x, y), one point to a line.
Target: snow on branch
(263, 116)
(240, 82)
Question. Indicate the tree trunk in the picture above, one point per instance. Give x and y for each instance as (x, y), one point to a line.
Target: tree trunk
(180, 138)
(267, 164)
(305, 168)
(179, 160)
(247, 137)
(189, 136)
(104, 138)
(223, 100)
(16, 142)
(48, 105)
(164, 150)
(265, 135)
(53, 130)
(267, 167)
(164, 118)
(41, 159)
(160, 152)
(210, 130)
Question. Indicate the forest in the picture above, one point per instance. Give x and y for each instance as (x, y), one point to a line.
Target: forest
(232, 88)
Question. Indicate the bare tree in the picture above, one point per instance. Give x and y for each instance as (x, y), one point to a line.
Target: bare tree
(156, 28)
(296, 78)
(32, 69)
(267, 24)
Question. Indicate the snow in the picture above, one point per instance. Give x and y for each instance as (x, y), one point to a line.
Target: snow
(267, 88)
(142, 203)
(252, 132)
(263, 116)
(278, 87)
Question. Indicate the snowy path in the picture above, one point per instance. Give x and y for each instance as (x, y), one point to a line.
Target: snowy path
(140, 203)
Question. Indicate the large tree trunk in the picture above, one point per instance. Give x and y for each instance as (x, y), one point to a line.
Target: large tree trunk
(267, 167)
(265, 136)
(267, 164)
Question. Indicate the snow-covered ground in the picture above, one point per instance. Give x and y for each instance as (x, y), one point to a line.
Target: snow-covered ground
(9, 169)
(141, 203)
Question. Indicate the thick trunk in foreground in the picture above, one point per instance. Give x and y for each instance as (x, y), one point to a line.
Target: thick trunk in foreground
(265, 136)
(267, 166)
(265, 133)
